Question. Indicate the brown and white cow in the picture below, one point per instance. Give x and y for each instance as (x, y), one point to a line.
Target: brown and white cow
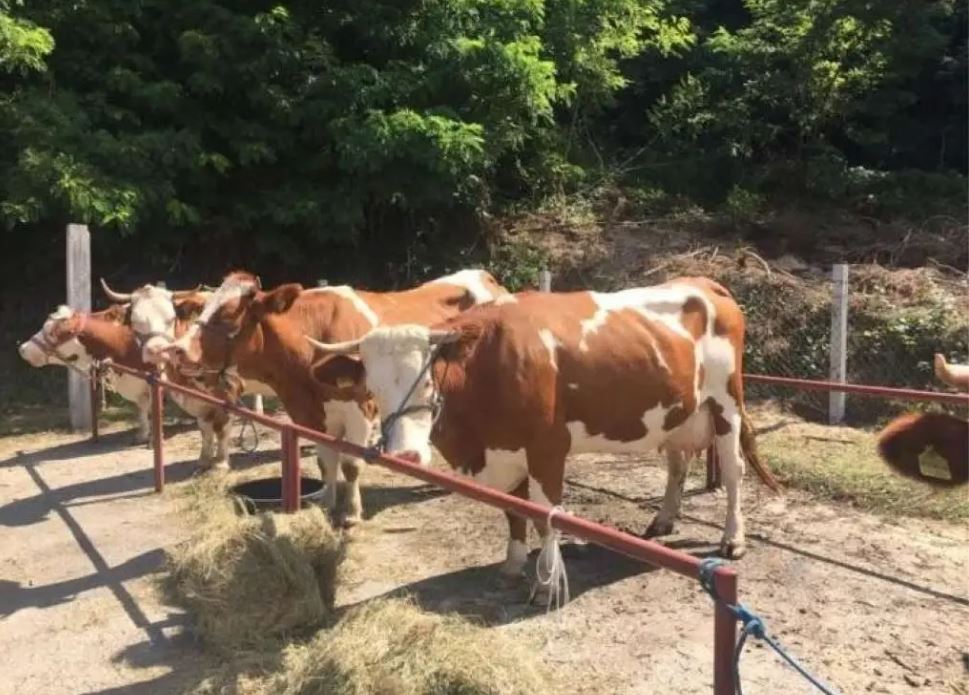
(76, 339)
(260, 336)
(522, 382)
(157, 317)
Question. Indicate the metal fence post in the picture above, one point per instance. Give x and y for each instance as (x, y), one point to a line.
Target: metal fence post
(157, 434)
(839, 341)
(724, 632)
(291, 474)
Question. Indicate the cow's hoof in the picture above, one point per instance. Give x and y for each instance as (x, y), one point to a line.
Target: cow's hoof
(222, 465)
(658, 527)
(351, 520)
(733, 550)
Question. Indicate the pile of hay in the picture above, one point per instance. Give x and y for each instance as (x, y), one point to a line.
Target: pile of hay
(247, 580)
(391, 647)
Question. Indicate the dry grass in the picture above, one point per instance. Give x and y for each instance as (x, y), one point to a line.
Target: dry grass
(842, 464)
(391, 647)
(249, 580)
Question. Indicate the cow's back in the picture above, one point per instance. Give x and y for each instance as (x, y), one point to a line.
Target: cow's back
(602, 359)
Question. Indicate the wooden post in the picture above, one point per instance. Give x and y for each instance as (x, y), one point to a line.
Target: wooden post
(839, 341)
(79, 299)
(545, 280)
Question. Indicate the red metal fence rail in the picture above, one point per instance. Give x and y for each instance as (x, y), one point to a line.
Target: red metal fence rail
(725, 578)
(887, 392)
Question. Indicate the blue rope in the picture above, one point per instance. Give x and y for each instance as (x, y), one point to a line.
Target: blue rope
(751, 626)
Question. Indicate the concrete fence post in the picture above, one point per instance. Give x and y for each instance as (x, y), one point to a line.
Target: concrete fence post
(79, 299)
(545, 280)
(839, 341)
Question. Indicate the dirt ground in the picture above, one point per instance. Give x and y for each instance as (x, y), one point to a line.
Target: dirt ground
(870, 604)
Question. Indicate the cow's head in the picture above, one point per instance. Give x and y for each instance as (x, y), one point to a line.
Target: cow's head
(227, 320)
(56, 342)
(395, 365)
(152, 316)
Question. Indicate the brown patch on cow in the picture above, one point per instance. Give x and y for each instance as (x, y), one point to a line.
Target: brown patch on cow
(694, 317)
(720, 424)
(676, 417)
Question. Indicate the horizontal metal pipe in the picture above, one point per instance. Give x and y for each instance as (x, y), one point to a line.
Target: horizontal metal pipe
(860, 389)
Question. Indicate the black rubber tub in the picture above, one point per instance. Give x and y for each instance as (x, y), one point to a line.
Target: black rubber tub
(266, 494)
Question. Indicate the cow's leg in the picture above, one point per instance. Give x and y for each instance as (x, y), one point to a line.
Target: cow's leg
(220, 429)
(354, 505)
(546, 473)
(329, 462)
(357, 428)
(144, 419)
(676, 468)
(727, 424)
(205, 455)
(517, 554)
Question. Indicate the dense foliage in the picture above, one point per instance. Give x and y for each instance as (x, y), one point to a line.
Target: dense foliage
(393, 125)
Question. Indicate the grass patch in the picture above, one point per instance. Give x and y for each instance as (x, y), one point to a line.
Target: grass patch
(842, 464)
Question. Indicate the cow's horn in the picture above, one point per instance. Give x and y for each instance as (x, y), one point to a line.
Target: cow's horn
(345, 348)
(182, 294)
(116, 297)
(443, 337)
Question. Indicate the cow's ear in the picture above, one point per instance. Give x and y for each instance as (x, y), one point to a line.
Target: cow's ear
(278, 300)
(189, 307)
(340, 371)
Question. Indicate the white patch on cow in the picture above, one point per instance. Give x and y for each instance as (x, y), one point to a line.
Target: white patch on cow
(394, 358)
(661, 304)
(350, 294)
(506, 299)
(536, 493)
(503, 470)
(695, 434)
(551, 344)
(345, 419)
(153, 320)
(471, 280)
(583, 442)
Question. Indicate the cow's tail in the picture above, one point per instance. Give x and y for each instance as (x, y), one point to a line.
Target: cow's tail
(748, 446)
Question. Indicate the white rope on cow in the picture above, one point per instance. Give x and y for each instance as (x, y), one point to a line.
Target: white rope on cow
(550, 573)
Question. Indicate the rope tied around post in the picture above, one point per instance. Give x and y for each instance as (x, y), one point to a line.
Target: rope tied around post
(550, 574)
(752, 625)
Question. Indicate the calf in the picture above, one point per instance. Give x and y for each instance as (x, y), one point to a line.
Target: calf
(505, 391)
(76, 339)
(259, 336)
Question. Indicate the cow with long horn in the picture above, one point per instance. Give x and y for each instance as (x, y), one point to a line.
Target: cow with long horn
(152, 315)
(258, 335)
(506, 390)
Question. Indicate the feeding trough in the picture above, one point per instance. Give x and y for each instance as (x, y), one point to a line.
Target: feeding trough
(265, 494)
